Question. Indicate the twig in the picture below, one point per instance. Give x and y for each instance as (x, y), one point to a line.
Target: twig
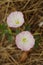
(18, 0)
(34, 9)
(36, 33)
(6, 12)
(34, 5)
(12, 59)
(3, 37)
(32, 17)
(27, 11)
(25, 4)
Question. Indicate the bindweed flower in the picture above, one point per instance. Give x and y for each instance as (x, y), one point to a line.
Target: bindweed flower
(25, 41)
(40, 24)
(15, 19)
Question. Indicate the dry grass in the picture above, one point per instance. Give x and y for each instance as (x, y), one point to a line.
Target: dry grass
(33, 14)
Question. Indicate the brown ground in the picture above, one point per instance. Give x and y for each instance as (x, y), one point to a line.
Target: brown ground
(33, 14)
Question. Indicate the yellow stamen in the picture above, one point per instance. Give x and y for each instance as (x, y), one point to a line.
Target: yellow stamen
(24, 40)
(17, 22)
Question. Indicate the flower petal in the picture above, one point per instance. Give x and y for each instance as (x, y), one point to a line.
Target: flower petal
(15, 19)
(25, 46)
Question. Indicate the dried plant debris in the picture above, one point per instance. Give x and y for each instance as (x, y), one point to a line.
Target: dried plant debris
(33, 14)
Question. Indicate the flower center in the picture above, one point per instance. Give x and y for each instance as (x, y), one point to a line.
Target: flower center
(17, 22)
(24, 40)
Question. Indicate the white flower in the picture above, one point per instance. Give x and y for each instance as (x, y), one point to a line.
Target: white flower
(15, 19)
(40, 24)
(25, 41)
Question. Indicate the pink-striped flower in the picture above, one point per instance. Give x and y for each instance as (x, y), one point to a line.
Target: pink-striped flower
(25, 41)
(15, 19)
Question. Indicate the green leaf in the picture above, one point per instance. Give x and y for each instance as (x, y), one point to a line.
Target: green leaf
(27, 27)
(7, 31)
(37, 40)
(3, 26)
(9, 38)
(4, 29)
(17, 31)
